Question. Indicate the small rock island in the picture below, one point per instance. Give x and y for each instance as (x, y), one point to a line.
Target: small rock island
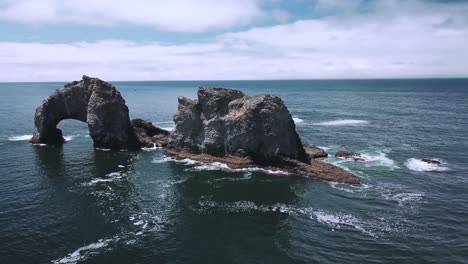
(221, 125)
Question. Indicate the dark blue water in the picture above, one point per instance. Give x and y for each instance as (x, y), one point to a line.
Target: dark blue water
(76, 204)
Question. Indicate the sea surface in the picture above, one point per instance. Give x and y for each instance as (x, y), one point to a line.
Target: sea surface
(75, 204)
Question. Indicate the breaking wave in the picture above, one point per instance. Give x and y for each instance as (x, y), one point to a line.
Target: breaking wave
(212, 166)
(297, 120)
(83, 253)
(420, 166)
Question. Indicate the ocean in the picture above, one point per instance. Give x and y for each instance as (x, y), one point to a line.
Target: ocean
(75, 204)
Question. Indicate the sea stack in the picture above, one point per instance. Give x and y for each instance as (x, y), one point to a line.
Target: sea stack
(228, 126)
(98, 104)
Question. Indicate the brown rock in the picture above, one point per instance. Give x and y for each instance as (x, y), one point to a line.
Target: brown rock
(349, 155)
(315, 152)
(432, 161)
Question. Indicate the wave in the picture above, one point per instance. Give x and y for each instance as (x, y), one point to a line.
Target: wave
(378, 159)
(83, 253)
(28, 137)
(111, 177)
(420, 166)
(342, 122)
(166, 125)
(297, 120)
(71, 137)
(204, 166)
(335, 220)
(20, 138)
(154, 147)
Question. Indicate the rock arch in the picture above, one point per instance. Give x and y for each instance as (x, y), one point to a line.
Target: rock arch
(92, 101)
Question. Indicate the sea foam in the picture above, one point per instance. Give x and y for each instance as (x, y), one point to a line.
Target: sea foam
(420, 166)
(28, 137)
(20, 138)
(297, 120)
(342, 122)
(82, 253)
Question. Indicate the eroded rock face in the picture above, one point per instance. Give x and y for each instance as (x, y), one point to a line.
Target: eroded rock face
(227, 122)
(225, 125)
(90, 100)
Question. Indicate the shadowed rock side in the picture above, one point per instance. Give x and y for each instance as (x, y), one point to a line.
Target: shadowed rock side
(90, 100)
(228, 126)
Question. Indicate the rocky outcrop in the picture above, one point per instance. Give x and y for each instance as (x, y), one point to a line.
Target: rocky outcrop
(227, 122)
(432, 161)
(149, 135)
(225, 125)
(315, 152)
(349, 155)
(90, 100)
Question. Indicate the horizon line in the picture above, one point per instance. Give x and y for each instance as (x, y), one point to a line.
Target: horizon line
(247, 80)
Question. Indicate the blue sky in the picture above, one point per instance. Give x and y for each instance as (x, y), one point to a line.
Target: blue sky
(60, 40)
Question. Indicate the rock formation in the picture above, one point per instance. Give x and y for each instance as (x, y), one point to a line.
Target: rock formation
(228, 126)
(227, 122)
(349, 155)
(90, 100)
(149, 135)
(432, 161)
(315, 152)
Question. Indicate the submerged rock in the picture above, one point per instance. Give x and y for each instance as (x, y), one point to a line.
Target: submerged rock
(92, 101)
(150, 135)
(349, 155)
(315, 152)
(225, 125)
(432, 161)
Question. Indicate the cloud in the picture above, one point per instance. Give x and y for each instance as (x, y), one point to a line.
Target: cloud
(165, 15)
(406, 40)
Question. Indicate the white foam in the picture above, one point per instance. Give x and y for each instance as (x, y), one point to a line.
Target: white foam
(298, 120)
(349, 188)
(103, 149)
(420, 166)
(111, 177)
(169, 128)
(83, 252)
(404, 198)
(20, 138)
(324, 148)
(215, 166)
(336, 220)
(342, 122)
(154, 147)
(71, 137)
(378, 159)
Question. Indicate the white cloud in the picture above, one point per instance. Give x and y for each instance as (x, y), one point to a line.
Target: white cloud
(165, 15)
(419, 41)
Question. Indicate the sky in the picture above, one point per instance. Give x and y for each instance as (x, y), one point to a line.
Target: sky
(117, 40)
